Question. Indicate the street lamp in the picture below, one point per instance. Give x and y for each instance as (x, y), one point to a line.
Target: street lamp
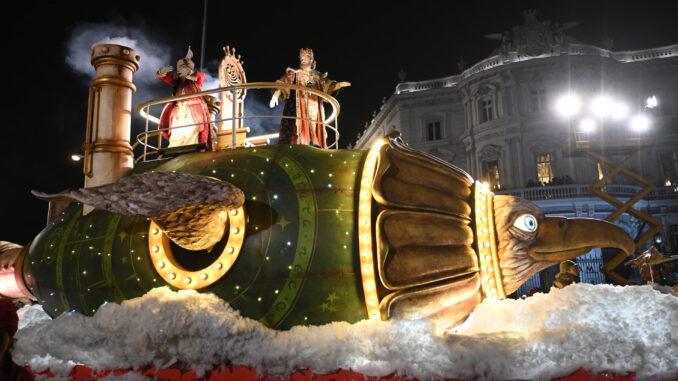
(606, 125)
(587, 125)
(640, 123)
(601, 108)
(568, 105)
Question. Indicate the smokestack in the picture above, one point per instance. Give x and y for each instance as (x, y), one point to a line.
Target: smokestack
(108, 153)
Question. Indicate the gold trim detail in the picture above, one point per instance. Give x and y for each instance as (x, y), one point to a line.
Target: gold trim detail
(174, 274)
(108, 60)
(114, 81)
(365, 243)
(490, 276)
(106, 145)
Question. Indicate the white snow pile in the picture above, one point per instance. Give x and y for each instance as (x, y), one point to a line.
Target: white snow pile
(598, 328)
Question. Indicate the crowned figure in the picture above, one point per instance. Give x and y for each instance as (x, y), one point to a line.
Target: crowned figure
(308, 127)
(191, 112)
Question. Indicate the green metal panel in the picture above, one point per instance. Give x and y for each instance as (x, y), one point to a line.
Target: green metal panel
(298, 265)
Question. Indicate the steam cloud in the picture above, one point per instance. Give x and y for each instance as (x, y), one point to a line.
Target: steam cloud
(155, 53)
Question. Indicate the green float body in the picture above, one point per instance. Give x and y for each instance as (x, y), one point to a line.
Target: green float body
(298, 265)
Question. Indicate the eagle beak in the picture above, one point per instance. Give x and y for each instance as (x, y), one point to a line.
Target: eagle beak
(560, 238)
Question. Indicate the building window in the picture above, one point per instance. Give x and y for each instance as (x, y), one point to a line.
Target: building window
(538, 100)
(486, 110)
(669, 168)
(433, 131)
(544, 168)
(673, 239)
(491, 169)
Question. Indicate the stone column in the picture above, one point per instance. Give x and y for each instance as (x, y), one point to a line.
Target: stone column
(509, 179)
(108, 154)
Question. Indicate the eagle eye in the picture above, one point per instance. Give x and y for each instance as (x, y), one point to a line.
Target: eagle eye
(526, 222)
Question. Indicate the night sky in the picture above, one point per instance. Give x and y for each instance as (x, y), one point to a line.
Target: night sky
(47, 47)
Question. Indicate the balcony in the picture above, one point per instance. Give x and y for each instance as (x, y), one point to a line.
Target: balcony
(570, 191)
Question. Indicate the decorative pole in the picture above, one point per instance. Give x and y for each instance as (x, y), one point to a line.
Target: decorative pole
(108, 153)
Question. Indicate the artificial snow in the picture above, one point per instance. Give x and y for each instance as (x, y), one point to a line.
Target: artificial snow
(597, 328)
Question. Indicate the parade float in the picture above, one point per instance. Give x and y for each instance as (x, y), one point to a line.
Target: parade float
(284, 239)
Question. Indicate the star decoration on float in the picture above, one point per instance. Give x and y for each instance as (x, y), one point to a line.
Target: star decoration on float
(283, 222)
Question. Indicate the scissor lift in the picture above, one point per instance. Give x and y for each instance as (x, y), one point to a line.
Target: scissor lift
(632, 147)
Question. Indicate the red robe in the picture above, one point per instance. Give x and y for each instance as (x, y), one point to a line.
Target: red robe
(305, 105)
(197, 106)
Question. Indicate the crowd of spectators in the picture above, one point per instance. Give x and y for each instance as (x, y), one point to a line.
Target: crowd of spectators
(558, 180)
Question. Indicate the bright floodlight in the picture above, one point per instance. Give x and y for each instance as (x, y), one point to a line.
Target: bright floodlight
(651, 102)
(602, 106)
(568, 105)
(620, 110)
(587, 125)
(640, 123)
(76, 157)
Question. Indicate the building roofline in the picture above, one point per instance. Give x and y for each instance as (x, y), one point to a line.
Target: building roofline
(572, 49)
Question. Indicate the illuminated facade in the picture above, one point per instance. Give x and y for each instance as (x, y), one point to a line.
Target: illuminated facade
(505, 120)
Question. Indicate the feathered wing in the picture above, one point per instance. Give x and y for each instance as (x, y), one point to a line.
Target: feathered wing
(154, 193)
(191, 209)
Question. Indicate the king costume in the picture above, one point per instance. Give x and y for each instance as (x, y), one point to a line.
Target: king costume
(188, 111)
(308, 128)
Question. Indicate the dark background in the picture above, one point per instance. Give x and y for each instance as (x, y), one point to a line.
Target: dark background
(47, 72)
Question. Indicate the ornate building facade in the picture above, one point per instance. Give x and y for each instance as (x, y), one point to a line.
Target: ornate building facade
(523, 118)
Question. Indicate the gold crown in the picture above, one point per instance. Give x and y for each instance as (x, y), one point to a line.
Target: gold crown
(307, 52)
(228, 51)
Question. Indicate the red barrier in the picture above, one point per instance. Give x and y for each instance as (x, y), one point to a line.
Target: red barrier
(241, 373)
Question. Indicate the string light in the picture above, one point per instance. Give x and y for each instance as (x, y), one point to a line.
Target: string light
(179, 277)
(365, 231)
(491, 283)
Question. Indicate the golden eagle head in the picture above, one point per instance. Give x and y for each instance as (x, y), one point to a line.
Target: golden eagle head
(528, 241)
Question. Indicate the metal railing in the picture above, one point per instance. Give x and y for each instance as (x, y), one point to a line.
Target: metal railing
(556, 192)
(143, 109)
